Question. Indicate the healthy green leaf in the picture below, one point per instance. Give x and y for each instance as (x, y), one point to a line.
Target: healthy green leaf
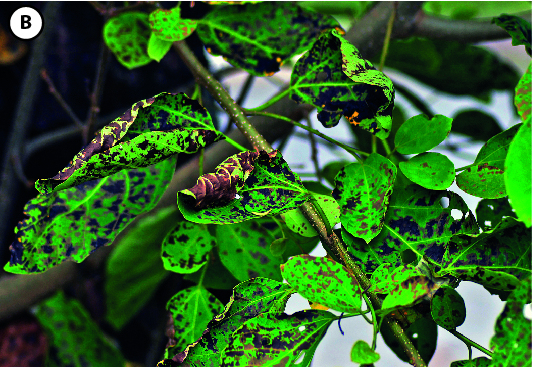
(151, 131)
(494, 151)
(362, 353)
(186, 247)
(216, 276)
(519, 29)
(431, 170)
(273, 339)
(518, 173)
(297, 222)
(158, 48)
(134, 269)
(511, 342)
(72, 223)
(278, 247)
(482, 181)
(318, 79)
(167, 25)
(476, 362)
(245, 186)
(75, 340)
(490, 212)
(419, 134)
(448, 308)
(462, 9)
(323, 281)
(476, 124)
(522, 99)
(127, 36)
(362, 191)
(259, 38)
(191, 310)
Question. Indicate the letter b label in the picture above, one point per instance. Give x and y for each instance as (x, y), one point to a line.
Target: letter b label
(26, 23)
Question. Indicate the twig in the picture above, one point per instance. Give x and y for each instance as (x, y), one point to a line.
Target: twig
(19, 171)
(111, 12)
(387, 37)
(314, 151)
(470, 343)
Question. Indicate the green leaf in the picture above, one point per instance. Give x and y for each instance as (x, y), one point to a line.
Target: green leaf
(482, 181)
(259, 38)
(419, 134)
(330, 171)
(127, 36)
(476, 362)
(191, 311)
(245, 186)
(496, 258)
(318, 79)
(518, 173)
(186, 247)
(151, 131)
(479, 9)
(134, 268)
(448, 308)
(72, 223)
(522, 99)
(511, 342)
(362, 191)
(494, 151)
(417, 221)
(362, 353)
(431, 170)
(297, 222)
(250, 299)
(476, 124)
(158, 48)
(167, 25)
(386, 278)
(519, 29)
(316, 187)
(216, 276)
(278, 247)
(273, 339)
(490, 212)
(75, 340)
(408, 292)
(323, 281)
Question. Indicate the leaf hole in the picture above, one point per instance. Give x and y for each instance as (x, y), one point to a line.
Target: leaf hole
(456, 214)
(527, 311)
(415, 336)
(237, 196)
(300, 358)
(408, 256)
(301, 328)
(488, 223)
(445, 202)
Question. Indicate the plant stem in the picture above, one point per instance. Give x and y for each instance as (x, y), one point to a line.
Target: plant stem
(314, 151)
(469, 342)
(387, 37)
(386, 147)
(272, 101)
(464, 167)
(201, 163)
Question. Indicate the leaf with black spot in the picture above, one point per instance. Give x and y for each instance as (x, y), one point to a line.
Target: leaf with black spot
(519, 29)
(448, 308)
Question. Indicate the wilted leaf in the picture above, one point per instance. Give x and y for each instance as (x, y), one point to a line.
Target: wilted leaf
(72, 223)
(522, 99)
(134, 269)
(186, 247)
(363, 191)
(420, 134)
(476, 124)
(127, 36)
(448, 308)
(151, 131)
(519, 29)
(158, 48)
(323, 281)
(518, 173)
(277, 339)
(191, 311)
(297, 222)
(490, 212)
(431, 170)
(259, 38)
(476, 362)
(74, 337)
(482, 181)
(511, 342)
(216, 277)
(247, 185)
(362, 353)
(167, 25)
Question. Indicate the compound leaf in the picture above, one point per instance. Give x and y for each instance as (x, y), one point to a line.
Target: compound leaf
(519, 29)
(167, 25)
(246, 185)
(186, 247)
(277, 339)
(482, 181)
(151, 131)
(323, 281)
(72, 223)
(259, 38)
(362, 191)
(297, 222)
(419, 134)
(490, 212)
(448, 308)
(362, 353)
(431, 170)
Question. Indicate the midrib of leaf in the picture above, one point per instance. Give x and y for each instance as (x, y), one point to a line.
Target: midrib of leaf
(274, 186)
(467, 267)
(187, 117)
(409, 244)
(486, 158)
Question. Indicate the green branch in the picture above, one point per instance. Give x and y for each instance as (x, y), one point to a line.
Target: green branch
(469, 343)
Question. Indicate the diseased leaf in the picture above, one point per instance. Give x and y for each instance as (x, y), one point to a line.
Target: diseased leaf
(386, 278)
(75, 340)
(408, 292)
(476, 362)
(417, 221)
(297, 222)
(518, 173)
(362, 353)
(490, 212)
(245, 186)
(431, 170)
(216, 277)
(259, 38)
(323, 281)
(191, 310)
(494, 151)
(511, 342)
(277, 339)
(318, 79)
(448, 308)
(72, 223)
(167, 25)
(482, 181)
(158, 48)
(127, 36)
(420, 134)
(134, 268)
(330, 171)
(522, 99)
(363, 191)
(186, 247)
(519, 29)
(151, 131)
